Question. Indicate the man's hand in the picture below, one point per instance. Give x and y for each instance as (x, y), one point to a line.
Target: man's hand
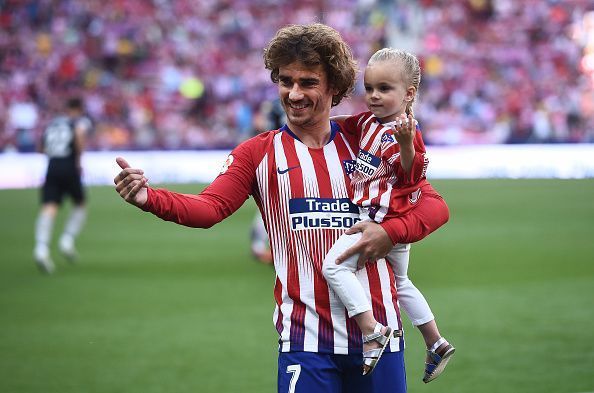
(373, 245)
(131, 184)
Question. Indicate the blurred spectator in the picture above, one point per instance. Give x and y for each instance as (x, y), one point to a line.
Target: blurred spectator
(185, 74)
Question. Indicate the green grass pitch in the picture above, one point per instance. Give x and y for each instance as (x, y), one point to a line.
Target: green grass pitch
(156, 307)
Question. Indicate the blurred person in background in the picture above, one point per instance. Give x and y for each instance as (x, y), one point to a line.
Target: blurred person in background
(63, 142)
(297, 176)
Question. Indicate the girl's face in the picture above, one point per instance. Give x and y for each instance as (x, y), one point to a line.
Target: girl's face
(386, 93)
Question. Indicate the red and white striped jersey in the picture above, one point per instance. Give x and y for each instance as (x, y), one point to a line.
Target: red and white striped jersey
(379, 183)
(303, 194)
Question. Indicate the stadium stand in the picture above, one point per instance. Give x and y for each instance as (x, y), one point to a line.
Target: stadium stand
(189, 74)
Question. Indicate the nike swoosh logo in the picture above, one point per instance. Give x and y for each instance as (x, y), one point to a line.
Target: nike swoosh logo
(283, 171)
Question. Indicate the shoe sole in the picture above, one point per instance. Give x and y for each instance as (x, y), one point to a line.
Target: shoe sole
(441, 366)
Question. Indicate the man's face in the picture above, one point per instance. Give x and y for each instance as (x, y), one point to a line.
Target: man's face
(305, 95)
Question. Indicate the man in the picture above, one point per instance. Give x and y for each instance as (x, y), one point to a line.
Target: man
(63, 143)
(298, 176)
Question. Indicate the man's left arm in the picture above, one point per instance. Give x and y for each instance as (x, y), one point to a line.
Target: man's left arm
(378, 239)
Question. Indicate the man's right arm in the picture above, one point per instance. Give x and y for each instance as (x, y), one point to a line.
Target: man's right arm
(219, 200)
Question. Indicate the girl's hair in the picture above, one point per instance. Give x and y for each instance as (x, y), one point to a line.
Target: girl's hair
(411, 69)
(313, 45)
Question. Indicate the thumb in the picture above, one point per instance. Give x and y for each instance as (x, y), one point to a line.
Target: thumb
(122, 163)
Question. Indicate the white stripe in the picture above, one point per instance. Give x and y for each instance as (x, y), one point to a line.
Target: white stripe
(374, 186)
(310, 181)
(335, 170)
(385, 200)
(367, 135)
(377, 141)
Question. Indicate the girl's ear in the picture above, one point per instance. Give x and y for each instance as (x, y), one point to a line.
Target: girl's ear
(410, 94)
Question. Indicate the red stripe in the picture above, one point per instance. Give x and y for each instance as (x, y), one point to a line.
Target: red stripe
(278, 289)
(377, 301)
(354, 334)
(382, 185)
(394, 292)
(366, 189)
(344, 154)
(322, 296)
(296, 174)
(371, 139)
(322, 175)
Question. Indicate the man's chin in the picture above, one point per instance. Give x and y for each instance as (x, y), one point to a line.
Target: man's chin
(297, 120)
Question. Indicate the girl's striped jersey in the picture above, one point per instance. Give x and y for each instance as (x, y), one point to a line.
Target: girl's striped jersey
(303, 194)
(379, 183)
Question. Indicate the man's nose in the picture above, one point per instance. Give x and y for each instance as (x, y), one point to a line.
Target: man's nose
(295, 94)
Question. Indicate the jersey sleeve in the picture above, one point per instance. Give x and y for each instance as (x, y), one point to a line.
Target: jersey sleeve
(220, 199)
(431, 213)
(352, 124)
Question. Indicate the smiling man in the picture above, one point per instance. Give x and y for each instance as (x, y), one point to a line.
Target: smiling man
(299, 178)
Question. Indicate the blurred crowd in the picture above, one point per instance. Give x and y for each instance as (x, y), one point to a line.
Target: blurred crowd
(507, 71)
(188, 74)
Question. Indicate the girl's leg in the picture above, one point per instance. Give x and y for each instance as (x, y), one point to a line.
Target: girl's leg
(414, 303)
(411, 299)
(341, 278)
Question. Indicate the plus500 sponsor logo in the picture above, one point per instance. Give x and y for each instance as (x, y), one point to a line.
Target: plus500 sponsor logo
(322, 213)
(367, 163)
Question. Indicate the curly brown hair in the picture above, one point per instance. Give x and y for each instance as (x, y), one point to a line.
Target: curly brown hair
(314, 44)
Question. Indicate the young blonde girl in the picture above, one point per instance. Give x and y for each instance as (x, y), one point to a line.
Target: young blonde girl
(389, 182)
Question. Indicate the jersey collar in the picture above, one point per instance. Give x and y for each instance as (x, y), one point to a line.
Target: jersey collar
(334, 127)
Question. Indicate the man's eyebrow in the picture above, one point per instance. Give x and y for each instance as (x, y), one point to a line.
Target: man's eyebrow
(309, 80)
(301, 80)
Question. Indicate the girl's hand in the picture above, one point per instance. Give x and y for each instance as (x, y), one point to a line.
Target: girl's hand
(405, 129)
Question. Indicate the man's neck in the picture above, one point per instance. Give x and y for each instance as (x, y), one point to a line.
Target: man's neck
(314, 137)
